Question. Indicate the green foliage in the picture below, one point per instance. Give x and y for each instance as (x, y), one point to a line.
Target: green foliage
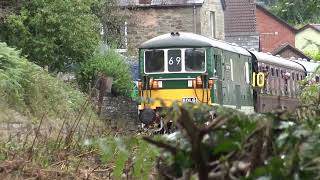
(125, 151)
(297, 11)
(111, 64)
(29, 89)
(53, 33)
(315, 55)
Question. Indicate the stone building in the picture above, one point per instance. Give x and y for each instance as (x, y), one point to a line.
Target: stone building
(150, 18)
(240, 23)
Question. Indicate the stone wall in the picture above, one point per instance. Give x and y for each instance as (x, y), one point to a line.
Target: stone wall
(216, 7)
(120, 111)
(146, 23)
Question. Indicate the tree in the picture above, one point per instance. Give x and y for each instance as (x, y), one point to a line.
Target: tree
(297, 11)
(112, 18)
(54, 33)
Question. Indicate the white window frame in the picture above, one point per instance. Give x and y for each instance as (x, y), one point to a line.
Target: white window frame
(183, 70)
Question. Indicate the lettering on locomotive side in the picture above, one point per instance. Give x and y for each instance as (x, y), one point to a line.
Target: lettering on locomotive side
(258, 79)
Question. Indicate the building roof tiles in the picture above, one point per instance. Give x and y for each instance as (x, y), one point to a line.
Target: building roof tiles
(240, 16)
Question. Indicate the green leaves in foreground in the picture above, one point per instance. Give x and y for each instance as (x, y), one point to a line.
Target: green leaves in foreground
(278, 145)
(127, 154)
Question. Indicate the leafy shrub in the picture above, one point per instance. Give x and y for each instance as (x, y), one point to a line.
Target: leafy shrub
(111, 64)
(30, 89)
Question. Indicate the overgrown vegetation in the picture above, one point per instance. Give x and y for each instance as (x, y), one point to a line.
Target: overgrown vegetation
(111, 64)
(52, 132)
(31, 90)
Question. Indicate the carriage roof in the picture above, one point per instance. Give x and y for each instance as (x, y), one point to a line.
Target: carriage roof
(278, 61)
(310, 67)
(190, 40)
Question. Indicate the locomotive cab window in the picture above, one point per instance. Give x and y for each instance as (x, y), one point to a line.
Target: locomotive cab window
(154, 61)
(174, 60)
(195, 59)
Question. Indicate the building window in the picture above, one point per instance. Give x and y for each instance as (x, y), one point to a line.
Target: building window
(212, 24)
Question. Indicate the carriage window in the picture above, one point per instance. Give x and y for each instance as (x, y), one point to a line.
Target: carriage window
(195, 59)
(272, 71)
(297, 77)
(277, 72)
(154, 61)
(174, 60)
(293, 76)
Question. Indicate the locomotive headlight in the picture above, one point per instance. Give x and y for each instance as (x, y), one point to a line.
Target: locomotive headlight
(194, 83)
(155, 84)
(139, 85)
(210, 83)
(151, 82)
(159, 84)
(199, 81)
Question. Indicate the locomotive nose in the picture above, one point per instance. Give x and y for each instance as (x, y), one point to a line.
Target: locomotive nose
(147, 116)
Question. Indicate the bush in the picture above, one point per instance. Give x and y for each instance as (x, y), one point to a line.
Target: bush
(28, 88)
(111, 64)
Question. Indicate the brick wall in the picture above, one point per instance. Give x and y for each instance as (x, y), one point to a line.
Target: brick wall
(146, 23)
(273, 33)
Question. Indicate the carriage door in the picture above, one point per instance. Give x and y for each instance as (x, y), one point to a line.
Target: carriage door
(218, 72)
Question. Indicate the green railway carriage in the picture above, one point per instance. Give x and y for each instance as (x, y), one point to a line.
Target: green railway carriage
(187, 67)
